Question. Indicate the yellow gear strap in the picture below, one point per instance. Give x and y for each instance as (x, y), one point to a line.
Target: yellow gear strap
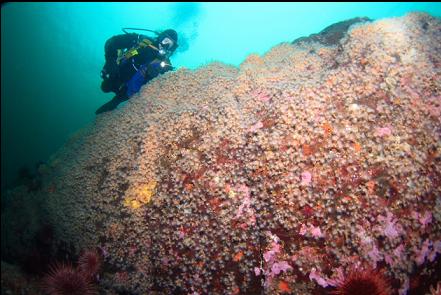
(145, 43)
(120, 55)
(134, 51)
(131, 53)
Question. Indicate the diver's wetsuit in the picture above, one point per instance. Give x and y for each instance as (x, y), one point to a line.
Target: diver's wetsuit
(126, 76)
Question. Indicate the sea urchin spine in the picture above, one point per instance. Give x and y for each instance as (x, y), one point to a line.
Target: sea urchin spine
(89, 263)
(63, 279)
(363, 282)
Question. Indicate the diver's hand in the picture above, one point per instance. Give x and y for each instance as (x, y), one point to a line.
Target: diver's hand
(157, 67)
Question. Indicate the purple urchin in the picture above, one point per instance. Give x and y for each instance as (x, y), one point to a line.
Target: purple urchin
(63, 279)
(89, 263)
(363, 282)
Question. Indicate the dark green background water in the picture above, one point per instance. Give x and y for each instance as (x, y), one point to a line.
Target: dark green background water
(52, 53)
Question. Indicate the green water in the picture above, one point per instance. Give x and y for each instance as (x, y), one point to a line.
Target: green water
(52, 54)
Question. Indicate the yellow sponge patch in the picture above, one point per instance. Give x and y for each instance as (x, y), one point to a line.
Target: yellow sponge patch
(140, 195)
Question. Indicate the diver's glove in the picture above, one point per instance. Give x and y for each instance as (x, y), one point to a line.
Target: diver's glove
(157, 67)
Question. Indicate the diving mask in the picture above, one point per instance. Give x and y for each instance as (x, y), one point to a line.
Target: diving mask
(165, 46)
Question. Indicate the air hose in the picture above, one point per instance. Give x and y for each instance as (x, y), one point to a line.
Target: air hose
(137, 29)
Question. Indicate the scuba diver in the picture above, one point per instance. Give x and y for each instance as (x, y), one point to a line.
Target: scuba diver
(132, 60)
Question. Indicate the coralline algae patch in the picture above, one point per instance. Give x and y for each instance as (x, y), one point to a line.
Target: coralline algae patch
(281, 174)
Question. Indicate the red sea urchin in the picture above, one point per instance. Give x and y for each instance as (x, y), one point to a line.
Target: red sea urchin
(89, 263)
(363, 282)
(63, 279)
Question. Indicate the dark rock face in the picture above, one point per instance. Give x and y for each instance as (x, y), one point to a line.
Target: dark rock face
(333, 34)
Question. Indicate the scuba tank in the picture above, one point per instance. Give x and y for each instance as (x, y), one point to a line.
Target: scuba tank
(126, 55)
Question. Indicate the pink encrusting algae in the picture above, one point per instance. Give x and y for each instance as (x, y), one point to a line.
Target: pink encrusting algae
(281, 174)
